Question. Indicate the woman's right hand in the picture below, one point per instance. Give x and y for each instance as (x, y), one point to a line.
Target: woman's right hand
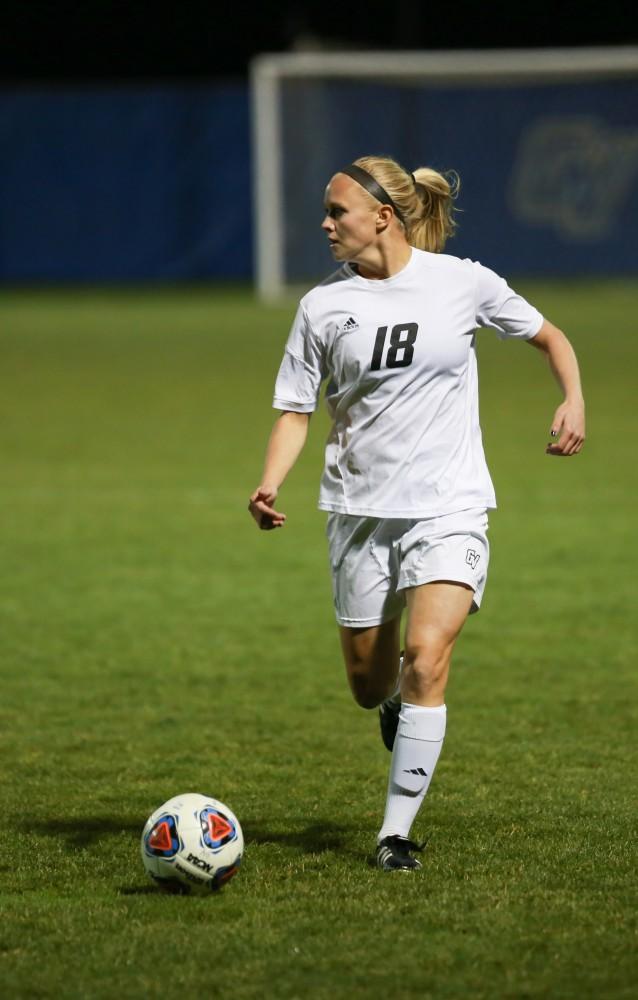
(260, 506)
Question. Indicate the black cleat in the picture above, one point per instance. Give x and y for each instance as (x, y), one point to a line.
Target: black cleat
(388, 721)
(393, 854)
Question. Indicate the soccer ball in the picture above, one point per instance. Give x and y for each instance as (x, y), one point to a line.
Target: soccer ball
(192, 843)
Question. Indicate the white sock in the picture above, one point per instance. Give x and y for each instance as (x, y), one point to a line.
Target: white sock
(417, 746)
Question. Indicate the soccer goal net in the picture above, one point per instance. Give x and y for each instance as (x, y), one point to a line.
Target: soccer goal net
(545, 142)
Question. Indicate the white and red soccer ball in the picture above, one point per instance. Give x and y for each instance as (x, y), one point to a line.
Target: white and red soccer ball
(192, 843)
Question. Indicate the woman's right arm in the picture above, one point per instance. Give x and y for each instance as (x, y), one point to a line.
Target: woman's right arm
(287, 439)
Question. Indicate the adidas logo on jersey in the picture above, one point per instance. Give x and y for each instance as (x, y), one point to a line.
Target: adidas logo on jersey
(350, 325)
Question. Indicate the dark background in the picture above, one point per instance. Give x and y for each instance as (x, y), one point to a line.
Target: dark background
(127, 152)
(195, 40)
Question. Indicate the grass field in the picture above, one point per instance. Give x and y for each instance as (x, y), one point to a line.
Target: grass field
(152, 641)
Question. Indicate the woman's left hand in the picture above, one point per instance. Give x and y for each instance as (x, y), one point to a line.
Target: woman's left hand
(567, 430)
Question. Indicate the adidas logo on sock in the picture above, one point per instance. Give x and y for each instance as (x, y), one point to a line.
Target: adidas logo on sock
(350, 325)
(415, 770)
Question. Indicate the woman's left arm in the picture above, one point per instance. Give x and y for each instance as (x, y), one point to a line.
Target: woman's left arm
(568, 425)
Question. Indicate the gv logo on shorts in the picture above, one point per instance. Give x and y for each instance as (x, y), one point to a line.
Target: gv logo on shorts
(472, 558)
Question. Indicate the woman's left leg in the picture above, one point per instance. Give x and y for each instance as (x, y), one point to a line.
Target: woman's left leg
(436, 614)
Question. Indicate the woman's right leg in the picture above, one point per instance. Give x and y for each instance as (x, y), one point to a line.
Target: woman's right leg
(364, 578)
(371, 657)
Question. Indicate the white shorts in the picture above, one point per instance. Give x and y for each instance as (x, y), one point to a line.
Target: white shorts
(374, 559)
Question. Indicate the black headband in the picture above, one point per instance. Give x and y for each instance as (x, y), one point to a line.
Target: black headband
(373, 187)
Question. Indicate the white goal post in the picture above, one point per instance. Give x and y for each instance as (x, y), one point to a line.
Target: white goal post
(273, 135)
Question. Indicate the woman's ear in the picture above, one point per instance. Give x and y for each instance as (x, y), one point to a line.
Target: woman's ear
(384, 217)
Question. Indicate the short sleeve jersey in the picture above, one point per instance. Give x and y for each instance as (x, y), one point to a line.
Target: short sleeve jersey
(399, 358)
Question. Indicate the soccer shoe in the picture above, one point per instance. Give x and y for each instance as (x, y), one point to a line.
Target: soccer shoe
(393, 854)
(388, 721)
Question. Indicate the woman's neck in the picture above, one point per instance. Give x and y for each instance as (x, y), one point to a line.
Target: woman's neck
(383, 261)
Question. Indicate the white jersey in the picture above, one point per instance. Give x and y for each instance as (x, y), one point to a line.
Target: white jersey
(399, 354)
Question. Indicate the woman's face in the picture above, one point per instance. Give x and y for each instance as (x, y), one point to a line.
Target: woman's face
(351, 218)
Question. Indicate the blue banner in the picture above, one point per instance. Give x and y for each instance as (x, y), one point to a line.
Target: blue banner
(125, 184)
(549, 172)
(153, 183)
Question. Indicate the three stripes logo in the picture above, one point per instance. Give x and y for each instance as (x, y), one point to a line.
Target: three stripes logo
(384, 854)
(415, 770)
(350, 325)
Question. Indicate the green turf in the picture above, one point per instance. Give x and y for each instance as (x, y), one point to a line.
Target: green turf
(152, 641)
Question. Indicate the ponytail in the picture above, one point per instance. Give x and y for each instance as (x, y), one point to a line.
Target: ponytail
(432, 226)
(424, 199)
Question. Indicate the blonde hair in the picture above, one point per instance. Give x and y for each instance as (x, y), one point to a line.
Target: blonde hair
(425, 199)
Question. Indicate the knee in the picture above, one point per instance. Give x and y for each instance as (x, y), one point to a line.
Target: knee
(367, 699)
(369, 684)
(365, 692)
(425, 668)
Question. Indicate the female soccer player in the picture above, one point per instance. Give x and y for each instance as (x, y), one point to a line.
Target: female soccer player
(405, 479)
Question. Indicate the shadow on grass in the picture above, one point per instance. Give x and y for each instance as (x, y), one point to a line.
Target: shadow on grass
(140, 890)
(82, 831)
(317, 838)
